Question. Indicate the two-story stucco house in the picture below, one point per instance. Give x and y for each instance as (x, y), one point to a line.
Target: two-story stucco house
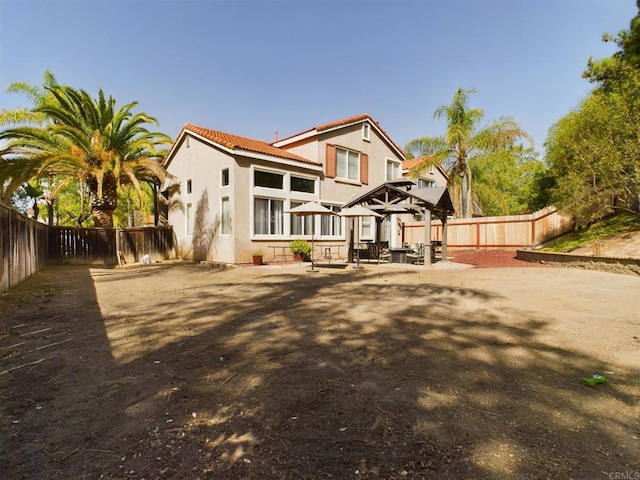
(235, 192)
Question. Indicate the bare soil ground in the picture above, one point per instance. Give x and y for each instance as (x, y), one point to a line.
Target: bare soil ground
(184, 371)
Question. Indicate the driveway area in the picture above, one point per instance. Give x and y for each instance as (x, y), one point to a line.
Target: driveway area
(186, 371)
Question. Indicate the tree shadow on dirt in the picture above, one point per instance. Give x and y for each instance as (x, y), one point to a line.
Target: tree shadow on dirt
(290, 375)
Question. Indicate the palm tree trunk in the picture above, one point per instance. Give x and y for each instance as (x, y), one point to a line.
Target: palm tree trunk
(467, 199)
(102, 206)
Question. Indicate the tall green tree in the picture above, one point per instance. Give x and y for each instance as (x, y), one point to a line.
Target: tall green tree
(89, 141)
(465, 139)
(505, 181)
(593, 153)
(594, 157)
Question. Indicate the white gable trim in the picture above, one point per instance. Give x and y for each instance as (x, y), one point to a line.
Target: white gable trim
(242, 152)
(314, 132)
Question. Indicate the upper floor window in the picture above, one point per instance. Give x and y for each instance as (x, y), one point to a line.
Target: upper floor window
(268, 179)
(189, 187)
(393, 170)
(347, 164)
(424, 183)
(366, 132)
(224, 177)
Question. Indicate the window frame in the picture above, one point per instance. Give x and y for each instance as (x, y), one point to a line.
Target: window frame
(225, 224)
(357, 178)
(188, 218)
(333, 219)
(366, 132)
(222, 177)
(398, 165)
(285, 195)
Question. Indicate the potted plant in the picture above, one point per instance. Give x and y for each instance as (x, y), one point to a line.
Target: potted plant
(301, 250)
(257, 257)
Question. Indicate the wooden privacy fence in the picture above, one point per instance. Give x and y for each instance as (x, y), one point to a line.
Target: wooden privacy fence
(509, 232)
(27, 246)
(108, 246)
(23, 247)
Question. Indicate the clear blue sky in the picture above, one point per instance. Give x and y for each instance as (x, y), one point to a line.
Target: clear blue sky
(256, 67)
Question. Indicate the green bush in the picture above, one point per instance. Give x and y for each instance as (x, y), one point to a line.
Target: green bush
(300, 246)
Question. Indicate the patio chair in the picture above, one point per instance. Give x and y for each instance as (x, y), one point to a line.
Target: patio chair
(417, 256)
(378, 252)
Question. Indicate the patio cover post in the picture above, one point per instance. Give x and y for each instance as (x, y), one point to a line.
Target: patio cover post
(427, 237)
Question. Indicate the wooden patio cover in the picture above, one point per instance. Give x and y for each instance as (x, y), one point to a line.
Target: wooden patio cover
(400, 196)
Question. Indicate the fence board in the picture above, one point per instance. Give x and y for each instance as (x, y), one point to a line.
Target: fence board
(23, 247)
(27, 246)
(509, 232)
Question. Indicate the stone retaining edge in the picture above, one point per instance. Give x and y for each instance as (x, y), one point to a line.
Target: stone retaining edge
(628, 265)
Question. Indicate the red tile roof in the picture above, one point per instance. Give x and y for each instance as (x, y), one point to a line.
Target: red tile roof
(408, 164)
(346, 121)
(235, 142)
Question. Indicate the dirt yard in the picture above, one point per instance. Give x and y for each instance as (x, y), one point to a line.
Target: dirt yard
(188, 372)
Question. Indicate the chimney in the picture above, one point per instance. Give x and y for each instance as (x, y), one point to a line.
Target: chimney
(276, 136)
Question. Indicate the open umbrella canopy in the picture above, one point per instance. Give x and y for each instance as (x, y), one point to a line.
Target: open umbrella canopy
(311, 208)
(358, 211)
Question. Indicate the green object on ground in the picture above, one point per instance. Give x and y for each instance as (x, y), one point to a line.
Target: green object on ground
(593, 380)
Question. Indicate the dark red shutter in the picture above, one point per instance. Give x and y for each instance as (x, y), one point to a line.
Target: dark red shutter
(330, 161)
(364, 168)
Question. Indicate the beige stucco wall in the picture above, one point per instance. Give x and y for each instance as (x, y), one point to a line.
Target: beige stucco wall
(202, 164)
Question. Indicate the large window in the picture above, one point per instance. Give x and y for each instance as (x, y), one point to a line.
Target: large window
(347, 164)
(268, 216)
(393, 170)
(331, 225)
(225, 227)
(301, 224)
(274, 193)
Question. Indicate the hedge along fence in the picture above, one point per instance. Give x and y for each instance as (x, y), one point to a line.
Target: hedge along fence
(27, 246)
(23, 247)
(509, 232)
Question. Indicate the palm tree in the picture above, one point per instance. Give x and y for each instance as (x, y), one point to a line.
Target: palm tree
(462, 142)
(86, 140)
(38, 96)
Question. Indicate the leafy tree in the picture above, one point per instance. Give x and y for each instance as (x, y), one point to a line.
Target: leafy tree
(594, 151)
(463, 141)
(89, 141)
(594, 157)
(505, 181)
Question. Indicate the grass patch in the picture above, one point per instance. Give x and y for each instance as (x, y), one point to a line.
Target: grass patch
(625, 222)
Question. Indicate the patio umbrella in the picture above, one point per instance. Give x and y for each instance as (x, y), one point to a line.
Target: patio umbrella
(356, 212)
(311, 208)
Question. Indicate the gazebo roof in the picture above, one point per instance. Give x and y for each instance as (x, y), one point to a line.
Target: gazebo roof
(397, 196)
